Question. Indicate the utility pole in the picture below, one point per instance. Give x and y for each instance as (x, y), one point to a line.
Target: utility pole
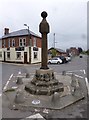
(54, 40)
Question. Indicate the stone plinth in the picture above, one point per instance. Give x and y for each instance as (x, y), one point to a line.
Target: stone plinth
(44, 83)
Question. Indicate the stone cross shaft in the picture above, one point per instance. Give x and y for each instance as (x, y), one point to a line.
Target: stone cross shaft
(44, 30)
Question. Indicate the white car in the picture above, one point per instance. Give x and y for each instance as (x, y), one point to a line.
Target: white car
(55, 60)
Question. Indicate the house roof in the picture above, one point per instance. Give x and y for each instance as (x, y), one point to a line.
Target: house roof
(57, 49)
(20, 33)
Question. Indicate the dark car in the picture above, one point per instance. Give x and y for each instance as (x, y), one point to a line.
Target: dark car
(80, 56)
(63, 59)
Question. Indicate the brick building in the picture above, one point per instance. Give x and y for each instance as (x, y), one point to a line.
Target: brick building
(72, 51)
(58, 52)
(22, 46)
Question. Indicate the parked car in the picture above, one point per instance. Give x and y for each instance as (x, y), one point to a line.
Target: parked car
(55, 60)
(80, 56)
(63, 59)
(68, 58)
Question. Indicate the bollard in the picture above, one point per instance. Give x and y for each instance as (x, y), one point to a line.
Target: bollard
(19, 80)
(19, 98)
(64, 73)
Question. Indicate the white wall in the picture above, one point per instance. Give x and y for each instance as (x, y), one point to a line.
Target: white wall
(2, 50)
(38, 59)
(13, 55)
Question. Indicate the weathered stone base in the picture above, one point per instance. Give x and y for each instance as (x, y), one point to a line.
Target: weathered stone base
(56, 101)
(20, 99)
(44, 83)
(49, 102)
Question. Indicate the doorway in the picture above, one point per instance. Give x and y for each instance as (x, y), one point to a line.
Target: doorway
(25, 57)
(4, 56)
(29, 55)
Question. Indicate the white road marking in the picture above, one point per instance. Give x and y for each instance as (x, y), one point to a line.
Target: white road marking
(78, 76)
(14, 87)
(74, 70)
(75, 75)
(19, 72)
(87, 84)
(0, 94)
(78, 70)
(35, 116)
(8, 82)
(84, 71)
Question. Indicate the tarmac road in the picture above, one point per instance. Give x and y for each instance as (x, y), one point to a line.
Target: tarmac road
(78, 110)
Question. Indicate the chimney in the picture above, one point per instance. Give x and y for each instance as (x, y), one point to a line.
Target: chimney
(6, 31)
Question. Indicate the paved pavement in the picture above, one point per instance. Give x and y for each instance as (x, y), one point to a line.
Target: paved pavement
(78, 110)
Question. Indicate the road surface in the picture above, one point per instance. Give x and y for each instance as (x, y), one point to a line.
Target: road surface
(78, 110)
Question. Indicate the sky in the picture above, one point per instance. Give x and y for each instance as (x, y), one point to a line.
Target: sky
(67, 19)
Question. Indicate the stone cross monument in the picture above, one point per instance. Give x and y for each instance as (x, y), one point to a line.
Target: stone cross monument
(44, 81)
(44, 90)
(44, 30)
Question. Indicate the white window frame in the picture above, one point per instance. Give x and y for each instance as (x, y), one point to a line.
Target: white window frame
(4, 43)
(21, 42)
(36, 55)
(8, 42)
(35, 42)
(7, 55)
(18, 58)
(13, 42)
(30, 42)
(0, 54)
(24, 42)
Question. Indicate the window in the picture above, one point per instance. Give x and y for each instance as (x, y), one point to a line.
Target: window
(4, 43)
(9, 43)
(34, 44)
(13, 42)
(35, 49)
(0, 54)
(22, 42)
(55, 58)
(19, 49)
(19, 55)
(8, 55)
(35, 55)
(8, 49)
(30, 42)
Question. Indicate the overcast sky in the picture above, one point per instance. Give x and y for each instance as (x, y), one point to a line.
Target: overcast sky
(67, 19)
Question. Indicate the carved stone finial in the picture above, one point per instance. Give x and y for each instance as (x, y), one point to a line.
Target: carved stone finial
(44, 26)
(44, 14)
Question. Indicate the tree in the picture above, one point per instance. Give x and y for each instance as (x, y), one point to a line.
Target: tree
(87, 52)
(54, 52)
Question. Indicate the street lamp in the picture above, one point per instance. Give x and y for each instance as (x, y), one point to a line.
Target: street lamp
(30, 42)
(27, 26)
(28, 33)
